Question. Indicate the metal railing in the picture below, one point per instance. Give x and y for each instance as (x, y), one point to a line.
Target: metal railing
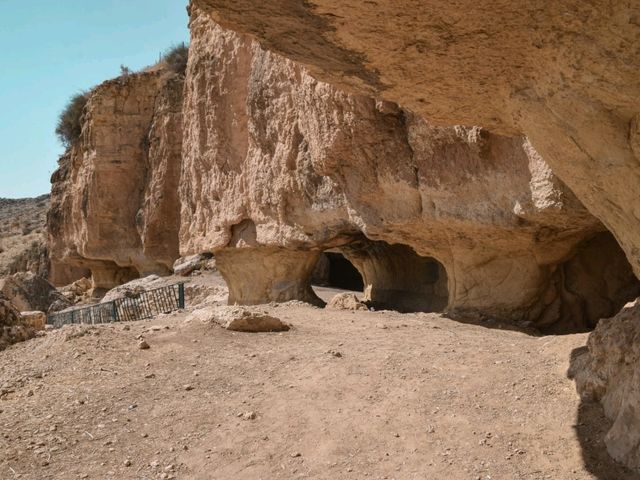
(131, 307)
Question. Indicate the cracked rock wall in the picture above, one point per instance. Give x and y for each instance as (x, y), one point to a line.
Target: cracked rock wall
(275, 159)
(114, 205)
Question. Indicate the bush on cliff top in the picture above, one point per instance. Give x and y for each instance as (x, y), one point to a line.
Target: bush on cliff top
(69, 125)
(176, 58)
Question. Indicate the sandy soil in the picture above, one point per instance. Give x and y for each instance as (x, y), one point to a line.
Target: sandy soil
(342, 395)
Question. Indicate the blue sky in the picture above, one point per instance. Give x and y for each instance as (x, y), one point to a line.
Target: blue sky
(50, 49)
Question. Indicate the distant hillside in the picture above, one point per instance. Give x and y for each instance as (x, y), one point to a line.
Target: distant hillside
(23, 235)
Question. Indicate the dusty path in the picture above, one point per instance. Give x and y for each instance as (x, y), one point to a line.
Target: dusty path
(342, 395)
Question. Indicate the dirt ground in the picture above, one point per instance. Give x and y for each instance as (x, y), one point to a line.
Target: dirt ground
(342, 395)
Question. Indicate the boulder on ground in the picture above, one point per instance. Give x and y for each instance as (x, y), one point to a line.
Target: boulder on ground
(240, 319)
(608, 371)
(28, 291)
(78, 291)
(346, 301)
(135, 287)
(12, 329)
(34, 319)
(184, 266)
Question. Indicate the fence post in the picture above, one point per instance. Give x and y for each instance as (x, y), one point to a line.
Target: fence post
(181, 295)
(114, 311)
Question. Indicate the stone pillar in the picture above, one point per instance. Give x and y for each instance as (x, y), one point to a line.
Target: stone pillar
(258, 275)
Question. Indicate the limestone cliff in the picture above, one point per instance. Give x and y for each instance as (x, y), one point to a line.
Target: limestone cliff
(284, 166)
(562, 73)
(267, 167)
(114, 207)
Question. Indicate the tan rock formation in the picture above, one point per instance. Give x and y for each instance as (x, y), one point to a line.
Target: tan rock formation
(114, 200)
(346, 301)
(239, 319)
(34, 319)
(278, 166)
(28, 291)
(564, 74)
(12, 327)
(608, 372)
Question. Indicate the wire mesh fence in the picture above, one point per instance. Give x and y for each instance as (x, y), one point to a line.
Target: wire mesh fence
(133, 306)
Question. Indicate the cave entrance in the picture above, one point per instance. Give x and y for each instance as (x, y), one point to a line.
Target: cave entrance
(334, 270)
(397, 278)
(595, 282)
(391, 276)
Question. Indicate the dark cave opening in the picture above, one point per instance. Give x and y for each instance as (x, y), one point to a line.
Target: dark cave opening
(390, 276)
(335, 271)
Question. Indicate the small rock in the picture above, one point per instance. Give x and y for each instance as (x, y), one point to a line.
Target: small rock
(188, 387)
(143, 345)
(346, 301)
(335, 353)
(296, 454)
(249, 415)
(127, 463)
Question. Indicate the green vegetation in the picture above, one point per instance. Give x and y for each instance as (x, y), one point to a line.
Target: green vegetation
(69, 125)
(176, 58)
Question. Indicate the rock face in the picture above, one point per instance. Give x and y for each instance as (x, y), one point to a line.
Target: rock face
(12, 327)
(278, 166)
(563, 74)
(114, 206)
(28, 291)
(608, 372)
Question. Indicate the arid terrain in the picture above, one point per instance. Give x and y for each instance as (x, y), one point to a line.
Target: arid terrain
(474, 165)
(23, 235)
(343, 394)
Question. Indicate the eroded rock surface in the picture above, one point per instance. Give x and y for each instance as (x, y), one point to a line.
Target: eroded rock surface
(28, 291)
(346, 301)
(564, 74)
(114, 206)
(609, 372)
(12, 327)
(185, 266)
(240, 319)
(278, 166)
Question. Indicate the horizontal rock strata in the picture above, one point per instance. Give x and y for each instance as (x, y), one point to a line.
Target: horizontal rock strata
(278, 160)
(114, 204)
